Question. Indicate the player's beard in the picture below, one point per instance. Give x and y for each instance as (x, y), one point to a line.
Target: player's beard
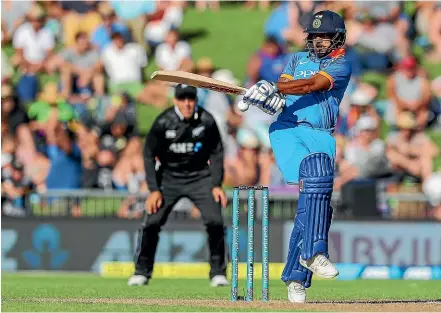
(321, 50)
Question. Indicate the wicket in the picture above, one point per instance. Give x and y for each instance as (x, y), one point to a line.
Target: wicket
(250, 243)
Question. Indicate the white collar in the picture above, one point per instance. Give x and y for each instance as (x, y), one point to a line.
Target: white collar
(181, 117)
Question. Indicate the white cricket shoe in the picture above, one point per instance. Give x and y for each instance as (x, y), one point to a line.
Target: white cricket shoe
(219, 280)
(296, 292)
(138, 280)
(320, 266)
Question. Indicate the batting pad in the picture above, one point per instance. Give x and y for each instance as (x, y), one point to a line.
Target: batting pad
(316, 180)
(293, 269)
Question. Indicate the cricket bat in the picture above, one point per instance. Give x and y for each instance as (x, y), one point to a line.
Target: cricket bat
(196, 80)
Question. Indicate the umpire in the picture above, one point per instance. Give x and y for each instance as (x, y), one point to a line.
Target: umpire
(186, 142)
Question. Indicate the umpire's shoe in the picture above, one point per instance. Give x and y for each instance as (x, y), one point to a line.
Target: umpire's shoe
(218, 281)
(320, 266)
(138, 280)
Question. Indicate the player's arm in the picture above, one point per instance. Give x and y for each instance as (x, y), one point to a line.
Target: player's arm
(283, 79)
(217, 157)
(152, 144)
(288, 71)
(337, 73)
(318, 82)
(259, 93)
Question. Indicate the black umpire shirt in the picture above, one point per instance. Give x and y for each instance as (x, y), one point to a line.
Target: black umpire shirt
(184, 148)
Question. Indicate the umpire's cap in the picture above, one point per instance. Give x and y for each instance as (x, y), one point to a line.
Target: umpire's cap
(185, 91)
(326, 22)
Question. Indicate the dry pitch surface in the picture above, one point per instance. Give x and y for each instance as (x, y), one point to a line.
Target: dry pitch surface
(48, 292)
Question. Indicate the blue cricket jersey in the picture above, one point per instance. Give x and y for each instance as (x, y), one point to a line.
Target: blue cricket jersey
(320, 109)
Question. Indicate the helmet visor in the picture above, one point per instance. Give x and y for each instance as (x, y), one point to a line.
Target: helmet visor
(321, 44)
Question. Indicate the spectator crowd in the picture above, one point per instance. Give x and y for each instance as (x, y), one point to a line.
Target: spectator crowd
(80, 130)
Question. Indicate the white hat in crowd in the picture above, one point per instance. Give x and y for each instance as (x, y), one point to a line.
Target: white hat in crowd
(247, 138)
(225, 76)
(432, 189)
(360, 98)
(363, 95)
(366, 123)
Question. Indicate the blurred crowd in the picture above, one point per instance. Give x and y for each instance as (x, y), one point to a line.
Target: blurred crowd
(81, 129)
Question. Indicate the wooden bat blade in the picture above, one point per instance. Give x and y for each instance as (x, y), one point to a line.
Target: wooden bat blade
(196, 80)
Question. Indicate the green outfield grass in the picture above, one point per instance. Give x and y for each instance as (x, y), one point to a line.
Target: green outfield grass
(83, 292)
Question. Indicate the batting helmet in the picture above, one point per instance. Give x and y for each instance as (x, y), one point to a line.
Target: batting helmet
(329, 23)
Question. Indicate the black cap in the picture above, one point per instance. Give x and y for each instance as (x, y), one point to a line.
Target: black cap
(185, 91)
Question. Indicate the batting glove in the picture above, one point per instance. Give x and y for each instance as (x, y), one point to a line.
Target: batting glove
(273, 104)
(259, 93)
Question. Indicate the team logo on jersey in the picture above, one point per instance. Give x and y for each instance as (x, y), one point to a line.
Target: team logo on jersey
(305, 73)
(325, 63)
(197, 131)
(181, 147)
(197, 147)
(170, 134)
(316, 23)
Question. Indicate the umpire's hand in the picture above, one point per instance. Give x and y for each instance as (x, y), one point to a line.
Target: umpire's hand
(219, 196)
(153, 202)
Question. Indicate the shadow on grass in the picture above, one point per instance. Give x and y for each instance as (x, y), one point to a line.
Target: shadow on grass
(190, 35)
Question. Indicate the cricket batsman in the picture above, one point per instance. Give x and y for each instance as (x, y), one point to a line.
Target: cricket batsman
(308, 94)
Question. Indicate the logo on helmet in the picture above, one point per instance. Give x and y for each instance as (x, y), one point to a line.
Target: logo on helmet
(316, 23)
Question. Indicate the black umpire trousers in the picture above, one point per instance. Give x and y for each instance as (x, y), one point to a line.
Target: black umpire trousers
(200, 192)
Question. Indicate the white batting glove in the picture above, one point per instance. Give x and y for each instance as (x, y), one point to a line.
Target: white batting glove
(273, 104)
(259, 93)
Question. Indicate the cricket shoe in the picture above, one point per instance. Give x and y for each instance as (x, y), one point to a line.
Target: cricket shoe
(218, 281)
(138, 280)
(296, 292)
(320, 266)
